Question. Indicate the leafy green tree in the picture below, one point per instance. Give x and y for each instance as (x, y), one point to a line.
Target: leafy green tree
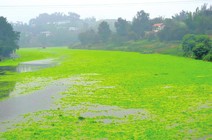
(141, 23)
(196, 46)
(208, 57)
(200, 50)
(104, 31)
(8, 38)
(188, 44)
(203, 46)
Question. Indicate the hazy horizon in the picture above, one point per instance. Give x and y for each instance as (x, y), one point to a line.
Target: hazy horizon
(110, 9)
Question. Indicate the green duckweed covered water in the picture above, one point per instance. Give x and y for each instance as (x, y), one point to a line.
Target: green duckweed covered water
(115, 95)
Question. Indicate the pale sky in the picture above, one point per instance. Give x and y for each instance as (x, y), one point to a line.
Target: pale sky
(24, 10)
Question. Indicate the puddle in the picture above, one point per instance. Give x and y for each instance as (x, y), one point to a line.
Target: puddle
(6, 88)
(29, 66)
(43, 99)
(109, 114)
(35, 65)
(39, 100)
(207, 137)
(30, 85)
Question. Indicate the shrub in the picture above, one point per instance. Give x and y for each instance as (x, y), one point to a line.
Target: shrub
(196, 46)
(208, 57)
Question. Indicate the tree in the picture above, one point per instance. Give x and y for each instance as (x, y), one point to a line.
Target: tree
(88, 37)
(188, 44)
(157, 20)
(141, 23)
(200, 21)
(8, 38)
(173, 30)
(200, 50)
(182, 16)
(196, 45)
(122, 27)
(122, 31)
(104, 31)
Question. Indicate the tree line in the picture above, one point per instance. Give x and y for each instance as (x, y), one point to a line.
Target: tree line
(60, 29)
(178, 28)
(56, 29)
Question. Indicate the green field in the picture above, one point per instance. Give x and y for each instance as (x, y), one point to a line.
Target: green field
(117, 95)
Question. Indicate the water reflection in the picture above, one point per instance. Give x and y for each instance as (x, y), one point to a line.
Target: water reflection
(5, 69)
(6, 87)
(35, 65)
(39, 100)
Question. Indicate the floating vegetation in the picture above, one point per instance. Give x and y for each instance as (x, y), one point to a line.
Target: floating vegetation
(110, 95)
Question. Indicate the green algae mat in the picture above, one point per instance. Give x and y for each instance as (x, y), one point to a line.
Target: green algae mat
(110, 95)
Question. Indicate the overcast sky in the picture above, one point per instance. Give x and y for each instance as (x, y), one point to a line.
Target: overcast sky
(23, 10)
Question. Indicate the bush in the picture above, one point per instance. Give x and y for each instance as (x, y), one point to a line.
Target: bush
(208, 57)
(196, 46)
(200, 50)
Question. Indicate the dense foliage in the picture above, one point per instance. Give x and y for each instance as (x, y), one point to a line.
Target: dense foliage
(104, 31)
(173, 30)
(141, 24)
(197, 46)
(8, 38)
(198, 22)
(169, 29)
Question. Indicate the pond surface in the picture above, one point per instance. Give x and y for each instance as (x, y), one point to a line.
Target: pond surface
(39, 100)
(43, 99)
(7, 86)
(35, 65)
(28, 66)
(23, 104)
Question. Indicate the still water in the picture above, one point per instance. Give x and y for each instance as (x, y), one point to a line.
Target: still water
(39, 100)
(35, 65)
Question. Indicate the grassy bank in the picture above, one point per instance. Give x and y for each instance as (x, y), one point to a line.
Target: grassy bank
(165, 97)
